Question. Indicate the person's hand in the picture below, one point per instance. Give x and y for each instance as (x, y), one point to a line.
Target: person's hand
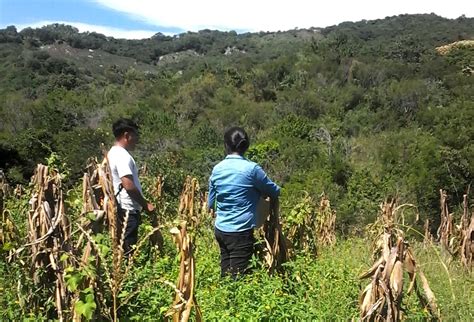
(149, 208)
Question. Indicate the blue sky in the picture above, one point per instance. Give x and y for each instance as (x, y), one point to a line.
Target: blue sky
(143, 18)
(34, 13)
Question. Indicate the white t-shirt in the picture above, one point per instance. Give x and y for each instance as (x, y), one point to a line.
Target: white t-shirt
(122, 164)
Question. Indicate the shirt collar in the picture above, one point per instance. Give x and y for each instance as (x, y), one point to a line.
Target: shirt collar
(234, 156)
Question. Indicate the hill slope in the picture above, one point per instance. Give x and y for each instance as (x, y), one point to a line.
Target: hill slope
(359, 110)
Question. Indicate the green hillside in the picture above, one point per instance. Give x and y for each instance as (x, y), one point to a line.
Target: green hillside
(359, 110)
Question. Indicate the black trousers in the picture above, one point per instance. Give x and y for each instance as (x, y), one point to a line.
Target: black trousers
(236, 251)
(131, 230)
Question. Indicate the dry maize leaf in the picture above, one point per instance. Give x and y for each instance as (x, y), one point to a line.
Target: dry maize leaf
(373, 269)
(391, 308)
(370, 294)
(389, 264)
(429, 295)
(366, 300)
(386, 246)
(374, 307)
(409, 262)
(396, 280)
(412, 282)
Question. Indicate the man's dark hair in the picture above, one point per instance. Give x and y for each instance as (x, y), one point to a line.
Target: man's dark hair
(236, 140)
(124, 125)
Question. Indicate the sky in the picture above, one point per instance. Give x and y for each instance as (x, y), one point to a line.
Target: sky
(136, 19)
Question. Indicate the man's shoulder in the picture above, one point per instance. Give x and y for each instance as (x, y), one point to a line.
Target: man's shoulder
(117, 152)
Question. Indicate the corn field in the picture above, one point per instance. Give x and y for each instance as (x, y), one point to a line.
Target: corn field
(80, 260)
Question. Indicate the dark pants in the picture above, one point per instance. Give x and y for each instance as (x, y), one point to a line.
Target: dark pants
(236, 251)
(131, 230)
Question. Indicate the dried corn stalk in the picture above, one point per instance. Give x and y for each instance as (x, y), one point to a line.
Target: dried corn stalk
(185, 298)
(467, 237)
(4, 186)
(104, 192)
(1, 200)
(326, 223)
(158, 188)
(8, 232)
(156, 239)
(96, 206)
(445, 230)
(99, 201)
(49, 235)
(276, 250)
(191, 203)
(190, 207)
(427, 237)
(381, 299)
(18, 191)
(302, 225)
(390, 218)
(311, 225)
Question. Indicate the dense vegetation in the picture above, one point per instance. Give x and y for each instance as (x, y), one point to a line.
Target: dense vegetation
(360, 111)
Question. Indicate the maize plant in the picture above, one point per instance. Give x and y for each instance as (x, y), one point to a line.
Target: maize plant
(156, 239)
(311, 226)
(381, 300)
(5, 227)
(98, 210)
(467, 237)
(326, 223)
(49, 234)
(8, 232)
(427, 237)
(158, 187)
(391, 217)
(19, 191)
(4, 186)
(1, 200)
(275, 251)
(191, 203)
(185, 299)
(457, 239)
(302, 224)
(445, 232)
(99, 202)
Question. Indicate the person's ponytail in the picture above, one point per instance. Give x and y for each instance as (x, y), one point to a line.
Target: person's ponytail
(236, 140)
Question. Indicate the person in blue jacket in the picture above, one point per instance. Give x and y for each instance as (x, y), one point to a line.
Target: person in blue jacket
(235, 188)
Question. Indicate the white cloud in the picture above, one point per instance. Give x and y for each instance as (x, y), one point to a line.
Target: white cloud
(108, 31)
(272, 15)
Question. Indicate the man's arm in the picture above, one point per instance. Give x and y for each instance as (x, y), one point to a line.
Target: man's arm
(134, 193)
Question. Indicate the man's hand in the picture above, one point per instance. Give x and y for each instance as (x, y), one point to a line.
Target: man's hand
(135, 194)
(149, 209)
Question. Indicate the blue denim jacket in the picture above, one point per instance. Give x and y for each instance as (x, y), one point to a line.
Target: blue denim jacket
(235, 187)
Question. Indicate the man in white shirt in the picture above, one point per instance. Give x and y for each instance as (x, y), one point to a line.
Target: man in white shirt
(126, 184)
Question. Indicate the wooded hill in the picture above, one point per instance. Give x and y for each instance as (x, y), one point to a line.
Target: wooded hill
(359, 110)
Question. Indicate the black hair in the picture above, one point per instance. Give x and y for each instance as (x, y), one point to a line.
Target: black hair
(236, 140)
(124, 125)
